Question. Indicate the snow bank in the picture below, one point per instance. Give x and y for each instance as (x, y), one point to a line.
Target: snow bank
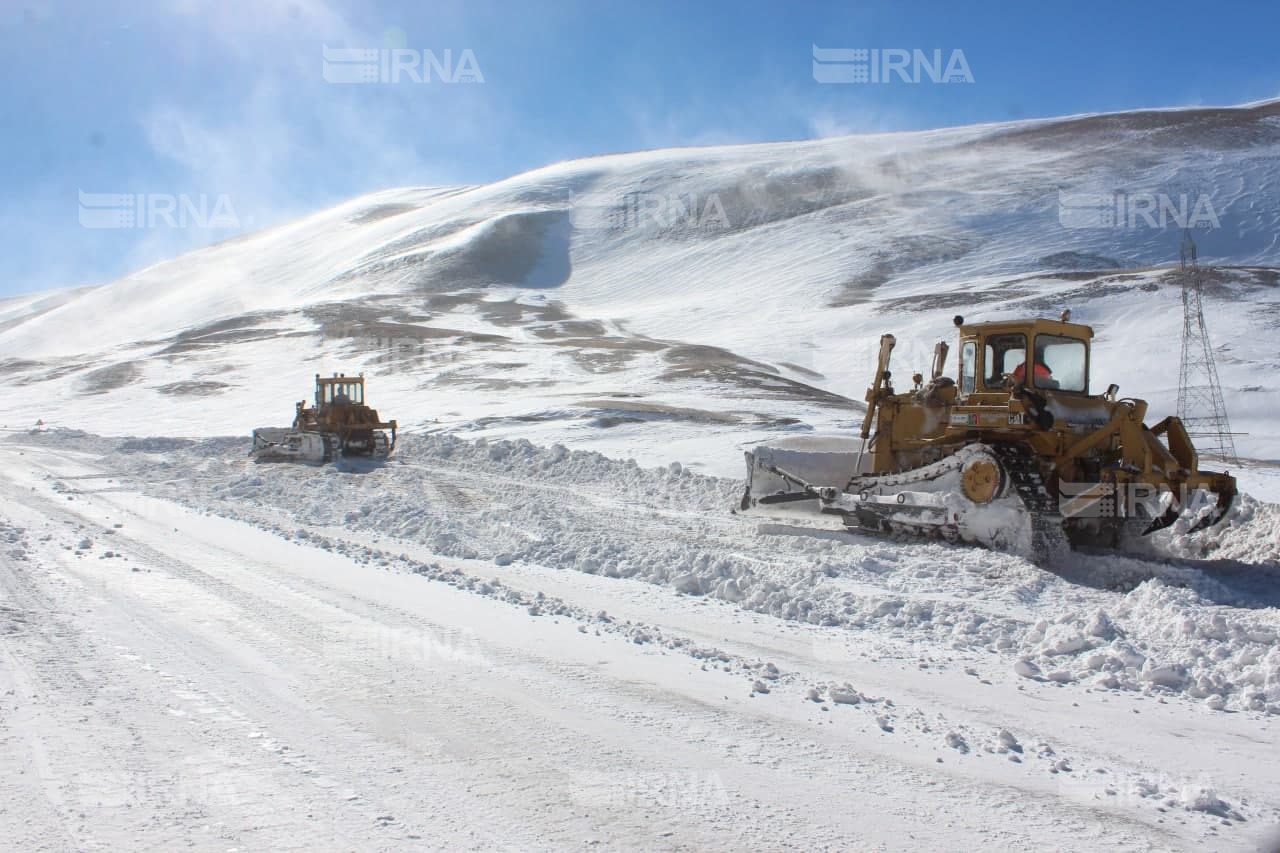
(1164, 639)
(1204, 629)
(1249, 533)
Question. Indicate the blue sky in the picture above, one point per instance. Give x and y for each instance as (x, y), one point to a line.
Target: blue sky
(227, 98)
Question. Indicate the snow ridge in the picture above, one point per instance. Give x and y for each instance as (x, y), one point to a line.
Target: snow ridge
(1204, 629)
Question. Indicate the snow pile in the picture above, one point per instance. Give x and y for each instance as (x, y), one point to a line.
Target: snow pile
(1249, 533)
(1164, 639)
(672, 484)
(1206, 629)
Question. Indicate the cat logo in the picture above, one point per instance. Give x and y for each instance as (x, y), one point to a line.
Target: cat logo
(1017, 419)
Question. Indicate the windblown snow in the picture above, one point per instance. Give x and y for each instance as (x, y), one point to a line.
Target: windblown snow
(693, 300)
(539, 625)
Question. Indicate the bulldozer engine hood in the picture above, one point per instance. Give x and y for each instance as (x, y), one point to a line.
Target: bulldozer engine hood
(1078, 411)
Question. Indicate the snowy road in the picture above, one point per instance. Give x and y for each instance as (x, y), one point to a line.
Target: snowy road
(195, 651)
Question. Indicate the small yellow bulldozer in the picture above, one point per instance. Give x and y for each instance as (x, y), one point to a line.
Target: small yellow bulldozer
(340, 424)
(1017, 454)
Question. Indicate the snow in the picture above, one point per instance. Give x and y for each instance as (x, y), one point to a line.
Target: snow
(933, 645)
(538, 625)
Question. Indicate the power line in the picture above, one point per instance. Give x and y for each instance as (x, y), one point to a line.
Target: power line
(1200, 405)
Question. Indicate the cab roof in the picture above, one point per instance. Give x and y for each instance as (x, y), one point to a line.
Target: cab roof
(1034, 326)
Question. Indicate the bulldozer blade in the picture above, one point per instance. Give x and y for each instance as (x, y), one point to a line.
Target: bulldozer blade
(787, 497)
(271, 444)
(1219, 510)
(1160, 522)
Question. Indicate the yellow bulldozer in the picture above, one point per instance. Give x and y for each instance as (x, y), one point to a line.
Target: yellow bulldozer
(1017, 454)
(339, 424)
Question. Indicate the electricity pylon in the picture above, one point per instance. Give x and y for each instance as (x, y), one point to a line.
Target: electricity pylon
(1200, 405)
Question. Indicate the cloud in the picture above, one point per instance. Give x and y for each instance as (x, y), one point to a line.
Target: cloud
(826, 123)
(267, 134)
(243, 27)
(667, 128)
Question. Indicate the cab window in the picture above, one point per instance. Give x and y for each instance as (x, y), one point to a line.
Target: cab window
(1061, 363)
(968, 367)
(1004, 354)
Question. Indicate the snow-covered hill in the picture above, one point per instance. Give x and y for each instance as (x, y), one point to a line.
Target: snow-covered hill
(722, 293)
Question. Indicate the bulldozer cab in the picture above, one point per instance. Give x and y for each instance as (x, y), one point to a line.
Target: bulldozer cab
(339, 424)
(339, 390)
(1047, 355)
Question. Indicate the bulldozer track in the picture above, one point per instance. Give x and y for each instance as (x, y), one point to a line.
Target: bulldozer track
(1020, 473)
(1048, 538)
(923, 474)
